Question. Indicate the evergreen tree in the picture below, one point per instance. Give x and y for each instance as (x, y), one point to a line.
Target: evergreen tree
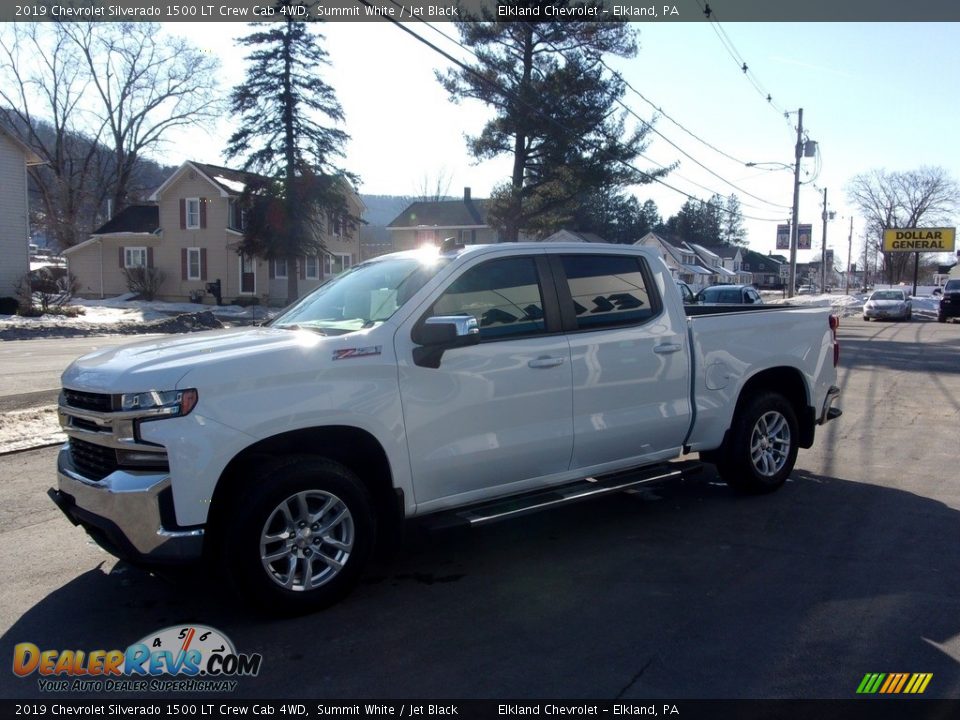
(553, 108)
(733, 231)
(300, 190)
(698, 221)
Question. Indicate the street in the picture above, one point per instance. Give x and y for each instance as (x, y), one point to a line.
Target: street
(679, 591)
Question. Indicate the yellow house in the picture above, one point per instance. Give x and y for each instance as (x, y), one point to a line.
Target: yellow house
(191, 231)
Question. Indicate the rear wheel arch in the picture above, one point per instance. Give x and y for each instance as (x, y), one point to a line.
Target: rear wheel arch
(788, 382)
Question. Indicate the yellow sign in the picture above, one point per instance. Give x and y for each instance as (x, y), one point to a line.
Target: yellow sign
(919, 240)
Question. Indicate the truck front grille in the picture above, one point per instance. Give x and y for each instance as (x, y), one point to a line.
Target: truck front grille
(94, 462)
(88, 401)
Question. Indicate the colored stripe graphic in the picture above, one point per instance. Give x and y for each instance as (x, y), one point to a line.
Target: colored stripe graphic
(894, 683)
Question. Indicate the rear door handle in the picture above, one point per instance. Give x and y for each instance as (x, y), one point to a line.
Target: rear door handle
(545, 362)
(665, 348)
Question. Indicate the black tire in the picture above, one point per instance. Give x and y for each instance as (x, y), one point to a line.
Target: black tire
(941, 318)
(866, 319)
(328, 491)
(767, 467)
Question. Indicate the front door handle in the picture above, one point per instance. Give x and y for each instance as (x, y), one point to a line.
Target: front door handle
(545, 362)
(665, 348)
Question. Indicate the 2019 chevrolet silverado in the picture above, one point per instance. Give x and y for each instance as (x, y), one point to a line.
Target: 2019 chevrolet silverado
(476, 383)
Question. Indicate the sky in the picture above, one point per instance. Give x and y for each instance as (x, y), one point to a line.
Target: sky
(874, 95)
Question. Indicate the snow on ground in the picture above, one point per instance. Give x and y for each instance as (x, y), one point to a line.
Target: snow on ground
(925, 304)
(123, 309)
(24, 429)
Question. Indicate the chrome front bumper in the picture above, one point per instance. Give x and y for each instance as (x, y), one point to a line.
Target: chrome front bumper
(125, 513)
(828, 412)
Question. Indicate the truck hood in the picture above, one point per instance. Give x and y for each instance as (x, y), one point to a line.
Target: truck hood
(160, 364)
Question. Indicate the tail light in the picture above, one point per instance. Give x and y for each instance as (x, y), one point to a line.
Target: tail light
(834, 324)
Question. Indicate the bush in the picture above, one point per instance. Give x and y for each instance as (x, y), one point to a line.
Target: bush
(9, 306)
(145, 282)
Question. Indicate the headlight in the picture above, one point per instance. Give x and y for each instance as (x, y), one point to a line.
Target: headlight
(165, 403)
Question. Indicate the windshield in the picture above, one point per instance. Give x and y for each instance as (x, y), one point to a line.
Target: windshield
(363, 296)
(952, 286)
(887, 295)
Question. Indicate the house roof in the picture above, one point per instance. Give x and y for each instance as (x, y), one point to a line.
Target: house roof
(574, 236)
(31, 157)
(229, 181)
(463, 212)
(727, 252)
(140, 218)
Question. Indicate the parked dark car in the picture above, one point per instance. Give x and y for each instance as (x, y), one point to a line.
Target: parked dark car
(729, 295)
(950, 300)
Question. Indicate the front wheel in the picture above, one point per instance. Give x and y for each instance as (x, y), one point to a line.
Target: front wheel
(299, 535)
(761, 448)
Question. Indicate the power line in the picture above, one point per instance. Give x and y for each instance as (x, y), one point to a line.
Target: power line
(510, 95)
(630, 110)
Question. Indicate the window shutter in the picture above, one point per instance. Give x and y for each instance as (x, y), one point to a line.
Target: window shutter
(121, 258)
(302, 262)
(203, 263)
(183, 263)
(149, 257)
(183, 214)
(273, 269)
(203, 212)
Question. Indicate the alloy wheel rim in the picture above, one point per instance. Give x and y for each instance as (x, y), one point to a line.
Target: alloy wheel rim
(307, 540)
(770, 443)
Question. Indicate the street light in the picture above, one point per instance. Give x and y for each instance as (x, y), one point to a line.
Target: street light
(802, 149)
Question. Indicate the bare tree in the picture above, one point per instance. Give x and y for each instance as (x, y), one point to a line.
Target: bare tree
(42, 86)
(147, 84)
(92, 100)
(433, 188)
(903, 200)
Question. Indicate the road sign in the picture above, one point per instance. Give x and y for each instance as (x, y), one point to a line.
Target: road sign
(785, 272)
(919, 240)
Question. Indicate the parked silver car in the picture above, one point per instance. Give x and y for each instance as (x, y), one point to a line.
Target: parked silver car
(888, 305)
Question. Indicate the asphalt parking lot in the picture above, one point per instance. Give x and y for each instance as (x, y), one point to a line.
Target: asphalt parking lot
(680, 591)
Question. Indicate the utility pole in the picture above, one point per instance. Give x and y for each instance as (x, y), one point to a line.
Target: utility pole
(795, 227)
(823, 251)
(846, 282)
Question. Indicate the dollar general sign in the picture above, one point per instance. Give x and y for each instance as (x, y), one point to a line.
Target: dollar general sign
(919, 240)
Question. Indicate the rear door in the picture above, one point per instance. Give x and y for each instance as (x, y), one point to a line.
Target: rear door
(629, 356)
(494, 416)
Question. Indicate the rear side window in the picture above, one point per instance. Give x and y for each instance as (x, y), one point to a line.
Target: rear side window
(609, 290)
(503, 295)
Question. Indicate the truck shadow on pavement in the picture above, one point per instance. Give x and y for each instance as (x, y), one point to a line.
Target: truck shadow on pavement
(682, 590)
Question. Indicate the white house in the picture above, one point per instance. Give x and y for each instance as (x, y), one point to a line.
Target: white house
(15, 157)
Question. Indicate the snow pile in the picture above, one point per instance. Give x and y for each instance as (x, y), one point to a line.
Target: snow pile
(24, 429)
(123, 315)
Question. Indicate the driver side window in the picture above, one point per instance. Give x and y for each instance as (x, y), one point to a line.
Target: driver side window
(503, 295)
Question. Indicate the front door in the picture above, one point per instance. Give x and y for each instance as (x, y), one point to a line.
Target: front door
(494, 416)
(248, 277)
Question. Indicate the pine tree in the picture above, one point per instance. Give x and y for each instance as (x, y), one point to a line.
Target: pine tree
(554, 112)
(299, 190)
(734, 233)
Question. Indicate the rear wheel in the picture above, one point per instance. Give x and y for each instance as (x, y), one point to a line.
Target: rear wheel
(941, 318)
(761, 448)
(299, 535)
(866, 319)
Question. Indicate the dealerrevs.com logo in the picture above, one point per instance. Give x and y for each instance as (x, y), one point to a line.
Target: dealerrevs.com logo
(176, 659)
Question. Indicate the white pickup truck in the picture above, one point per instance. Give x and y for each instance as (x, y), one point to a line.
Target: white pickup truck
(475, 383)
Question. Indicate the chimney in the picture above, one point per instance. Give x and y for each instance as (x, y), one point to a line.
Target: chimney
(466, 194)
